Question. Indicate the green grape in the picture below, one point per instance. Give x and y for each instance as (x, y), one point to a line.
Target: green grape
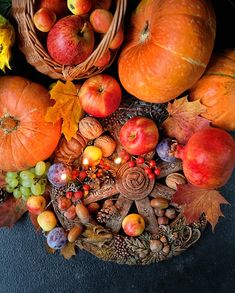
(25, 191)
(9, 188)
(26, 174)
(13, 183)
(26, 182)
(11, 175)
(40, 168)
(36, 188)
(32, 170)
(17, 193)
(43, 188)
(8, 180)
(25, 197)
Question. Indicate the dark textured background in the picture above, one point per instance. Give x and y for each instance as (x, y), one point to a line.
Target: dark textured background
(208, 266)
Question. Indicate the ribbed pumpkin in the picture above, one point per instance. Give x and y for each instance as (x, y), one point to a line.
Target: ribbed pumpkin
(216, 90)
(25, 137)
(168, 47)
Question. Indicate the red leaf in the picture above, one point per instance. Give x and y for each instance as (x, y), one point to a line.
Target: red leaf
(11, 211)
(196, 201)
(184, 119)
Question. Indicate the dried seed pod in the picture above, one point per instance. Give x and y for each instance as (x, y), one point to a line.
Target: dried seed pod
(163, 220)
(82, 213)
(107, 145)
(155, 245)
(173, 179)
(170, 213)
(159, 203)
(90, 128)
(75, 232)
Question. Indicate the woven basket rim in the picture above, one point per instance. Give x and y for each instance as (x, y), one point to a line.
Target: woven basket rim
(37, 55)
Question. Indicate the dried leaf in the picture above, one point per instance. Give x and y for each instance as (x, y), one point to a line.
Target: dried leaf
(33, 219)
(184, 119)
(68, 251)
(66, 107)
(196, 201)
(11, 211)
(49, 249)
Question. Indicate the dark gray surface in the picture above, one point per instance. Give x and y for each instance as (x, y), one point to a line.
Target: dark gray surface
(208, 266)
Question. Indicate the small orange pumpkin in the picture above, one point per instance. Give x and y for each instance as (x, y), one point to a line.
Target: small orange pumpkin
(168, 47)
(216, 90)
(25, 136)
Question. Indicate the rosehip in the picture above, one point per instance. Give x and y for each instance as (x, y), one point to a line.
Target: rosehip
(77, 195)
(131, 164)
(152, 163)
(148, 170)
(86, 187)
(126, 157)
(151, 176)
(69, 194)
(82, 174)
(157, 171)
(140, 160)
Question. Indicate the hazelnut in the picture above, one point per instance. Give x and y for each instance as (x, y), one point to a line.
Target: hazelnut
(156, 245)
(173, 179)
(170, 213)
(163, 220)
(159, 212)
(166, 249)
(163, 239)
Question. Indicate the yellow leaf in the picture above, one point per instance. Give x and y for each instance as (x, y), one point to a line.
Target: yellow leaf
(67, 107)
(68, 251)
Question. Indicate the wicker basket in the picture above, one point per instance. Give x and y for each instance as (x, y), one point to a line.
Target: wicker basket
(36, 55)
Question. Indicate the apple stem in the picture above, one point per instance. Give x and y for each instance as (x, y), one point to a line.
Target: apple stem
(83, 28)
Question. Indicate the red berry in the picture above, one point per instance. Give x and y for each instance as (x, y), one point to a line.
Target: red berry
(101, 163)
(131, 164)
(77, 195)
(151, 176)
(157, 171)
(140, 160)
(152, 163)
(82, 174)
(75, 174)
(86, 187)
(126, 157)
(107, 167)
(148, 170)
(69, 194)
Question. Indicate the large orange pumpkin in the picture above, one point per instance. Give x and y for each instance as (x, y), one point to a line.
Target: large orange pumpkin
(168, 47)
(216, 90)
(25, 137)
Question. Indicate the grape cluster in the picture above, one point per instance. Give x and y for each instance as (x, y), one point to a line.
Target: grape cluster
(28, 182)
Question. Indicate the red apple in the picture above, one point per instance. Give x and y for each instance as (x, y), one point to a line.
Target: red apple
(58, 6)
(101, 20)
(133, 225)
(71, 40)
(44, 19)
(105, 4)
(36, 204)
(79, 7)
(100, 95)
(117, 40)
(139, 135)
(104, 59)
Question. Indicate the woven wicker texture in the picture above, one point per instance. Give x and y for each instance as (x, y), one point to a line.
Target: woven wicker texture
(37, 56)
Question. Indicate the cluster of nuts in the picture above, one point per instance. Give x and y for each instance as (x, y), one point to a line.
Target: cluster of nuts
(160, 245)
(163, 210)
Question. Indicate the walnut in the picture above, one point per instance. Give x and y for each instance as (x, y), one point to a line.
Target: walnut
(172, 180)
(107, 145)
(90, 128)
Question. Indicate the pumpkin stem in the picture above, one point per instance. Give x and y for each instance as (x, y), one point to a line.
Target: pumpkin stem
(145, 32)
(8, 124)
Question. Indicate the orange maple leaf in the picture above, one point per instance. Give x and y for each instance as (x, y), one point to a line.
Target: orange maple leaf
(196, 201)
(184, 119)
(66, 107)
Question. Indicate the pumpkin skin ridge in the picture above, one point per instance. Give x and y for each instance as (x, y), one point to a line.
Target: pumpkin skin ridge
(220, 74)
(195, 49)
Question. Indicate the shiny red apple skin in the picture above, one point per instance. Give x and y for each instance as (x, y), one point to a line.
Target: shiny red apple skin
(71, 40)
(36, 204)
(139, 135)
(44, 19)
(100, 95)
(133, 225)
(58, 6)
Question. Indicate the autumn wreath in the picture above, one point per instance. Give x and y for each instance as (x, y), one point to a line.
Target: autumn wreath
(129, 167)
